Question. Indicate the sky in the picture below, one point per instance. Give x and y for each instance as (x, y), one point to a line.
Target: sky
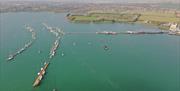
(106, 1)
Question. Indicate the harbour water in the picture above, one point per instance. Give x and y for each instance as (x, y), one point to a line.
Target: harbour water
(131, 63)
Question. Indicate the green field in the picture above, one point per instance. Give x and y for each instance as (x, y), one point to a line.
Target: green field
(154, 18)
(104, 17)
(159, 17)
(83, 18)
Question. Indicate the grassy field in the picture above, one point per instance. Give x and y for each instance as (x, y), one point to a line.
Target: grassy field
(154, 18)
(83, 18)
(153, 13)
(159, 17)
(104, 17)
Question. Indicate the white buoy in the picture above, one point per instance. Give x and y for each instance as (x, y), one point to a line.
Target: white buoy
(89, 43)
(39, 51)
(62, 54)
(74, 43)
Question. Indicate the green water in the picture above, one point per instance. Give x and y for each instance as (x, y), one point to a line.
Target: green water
(132, 63)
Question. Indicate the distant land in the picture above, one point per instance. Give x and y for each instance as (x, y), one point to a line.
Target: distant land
(119, 1)
(77, 6)
(107, 1)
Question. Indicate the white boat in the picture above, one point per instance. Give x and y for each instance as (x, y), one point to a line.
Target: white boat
(10, 57)
(107, 32)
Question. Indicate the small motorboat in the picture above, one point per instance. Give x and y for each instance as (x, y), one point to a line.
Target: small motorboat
(106, 48)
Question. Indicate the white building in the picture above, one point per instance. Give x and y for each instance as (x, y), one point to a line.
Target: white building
(173, 27)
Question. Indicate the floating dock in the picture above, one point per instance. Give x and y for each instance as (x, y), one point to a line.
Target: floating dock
(26, 46)
(54, 48)
(58, 33)
(144, 32)
(40, 75)
(130, 32)
(116, 33)
(107, 33)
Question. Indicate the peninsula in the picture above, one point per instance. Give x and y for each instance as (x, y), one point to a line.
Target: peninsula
(166, 16)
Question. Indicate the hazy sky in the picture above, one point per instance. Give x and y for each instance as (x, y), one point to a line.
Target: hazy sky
(107, 1)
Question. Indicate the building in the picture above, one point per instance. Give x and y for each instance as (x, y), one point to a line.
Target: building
(173, 27)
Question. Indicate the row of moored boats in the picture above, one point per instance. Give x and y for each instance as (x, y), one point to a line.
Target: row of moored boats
(26, 46)
(137, 32)
(58, 33)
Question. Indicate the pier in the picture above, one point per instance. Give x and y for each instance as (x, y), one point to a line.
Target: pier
(40, 75)
(54, 48)
(26, 46)
(130, 32)
(58, 33)
(125, 33)
(33, 34)
(12, 56)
